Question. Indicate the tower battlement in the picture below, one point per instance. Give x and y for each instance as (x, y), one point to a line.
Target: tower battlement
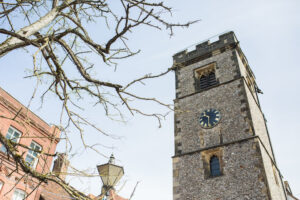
(205, 49)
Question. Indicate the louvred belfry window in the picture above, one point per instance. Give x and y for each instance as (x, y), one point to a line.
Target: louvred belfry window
(207, 81)
(205, 77)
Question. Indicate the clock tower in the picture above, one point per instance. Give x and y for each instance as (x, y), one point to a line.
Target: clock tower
(222, 146)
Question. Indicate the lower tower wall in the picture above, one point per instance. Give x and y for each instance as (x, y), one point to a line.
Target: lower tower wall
(243, 175)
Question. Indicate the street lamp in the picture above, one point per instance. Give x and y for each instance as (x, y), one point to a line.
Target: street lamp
(110, 174)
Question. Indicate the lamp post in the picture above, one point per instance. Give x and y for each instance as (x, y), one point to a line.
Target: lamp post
(110, 175)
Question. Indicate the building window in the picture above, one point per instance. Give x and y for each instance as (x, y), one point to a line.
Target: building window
(207, 80)
(275, 175)
(32, 156)
(13, 135)
(19, 195)
(214, 166)
(205, 77)
(1, 185)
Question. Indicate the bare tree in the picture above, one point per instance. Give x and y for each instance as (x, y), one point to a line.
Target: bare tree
(57, 32)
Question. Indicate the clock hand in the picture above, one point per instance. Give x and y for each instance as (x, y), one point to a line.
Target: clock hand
(208, 123)
(207, 117)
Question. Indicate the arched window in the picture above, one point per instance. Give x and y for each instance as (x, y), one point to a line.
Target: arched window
(214, 166)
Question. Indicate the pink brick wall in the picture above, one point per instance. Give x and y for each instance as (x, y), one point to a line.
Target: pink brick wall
(32, 128)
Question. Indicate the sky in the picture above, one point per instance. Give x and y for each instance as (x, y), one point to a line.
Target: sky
(268, 32)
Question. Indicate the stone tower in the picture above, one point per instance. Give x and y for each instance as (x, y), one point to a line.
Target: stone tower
(222, 146)
(60, 166)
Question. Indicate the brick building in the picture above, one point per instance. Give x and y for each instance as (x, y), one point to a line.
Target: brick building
(24, 127)
(29, 130)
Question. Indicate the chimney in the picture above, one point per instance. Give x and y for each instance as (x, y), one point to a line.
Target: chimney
(60, 167)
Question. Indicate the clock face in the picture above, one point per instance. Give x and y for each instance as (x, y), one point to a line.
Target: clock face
(209, 118)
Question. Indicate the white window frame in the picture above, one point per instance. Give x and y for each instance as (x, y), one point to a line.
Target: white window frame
(14, 131)
(30, 154)
(1, 185)
(19, 194)
(11, 137)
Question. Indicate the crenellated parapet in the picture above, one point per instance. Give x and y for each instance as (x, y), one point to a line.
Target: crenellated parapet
(206, 49)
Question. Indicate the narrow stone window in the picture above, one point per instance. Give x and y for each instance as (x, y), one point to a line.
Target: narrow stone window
(205, 77)
(250, 82)
(214, 166)
(212, 162)
(275, 175)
